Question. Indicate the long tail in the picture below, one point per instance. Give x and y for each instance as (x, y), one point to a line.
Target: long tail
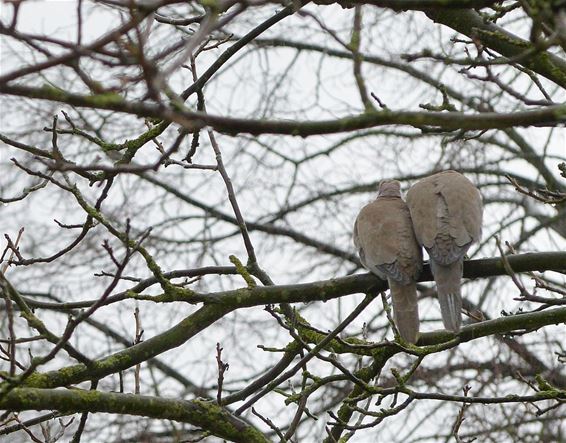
(405, 310)
(448, 281)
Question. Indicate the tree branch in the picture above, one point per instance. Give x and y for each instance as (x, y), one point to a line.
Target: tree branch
(220, 304)
(192, 121)
(471, 24)
(201, 413)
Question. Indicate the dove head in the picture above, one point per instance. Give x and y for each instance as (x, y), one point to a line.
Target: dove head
(389, 188)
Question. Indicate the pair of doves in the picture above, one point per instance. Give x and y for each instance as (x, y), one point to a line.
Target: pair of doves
(443, 213)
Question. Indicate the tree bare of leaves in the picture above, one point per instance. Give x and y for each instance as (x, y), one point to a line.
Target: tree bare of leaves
(178, 186)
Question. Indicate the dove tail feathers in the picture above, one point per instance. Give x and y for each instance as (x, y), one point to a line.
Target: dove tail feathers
(405, 310)
(448, 282)
(451, 309)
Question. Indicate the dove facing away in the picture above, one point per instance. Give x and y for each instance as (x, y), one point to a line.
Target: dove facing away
(386, 244)
(446, 209)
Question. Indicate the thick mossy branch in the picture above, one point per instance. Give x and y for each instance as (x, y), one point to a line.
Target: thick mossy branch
(366, 283)
(192, 121)
(471, 24)
(221, 304)
(520, 322)
(127, 358)
(200, 413)
(437, 341)
(414, 5)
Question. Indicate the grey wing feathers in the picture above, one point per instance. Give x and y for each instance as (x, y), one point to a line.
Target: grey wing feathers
(445, 248)
(446, 209)
(445, 253)
(357, 244)
(421, 202)
(393, 271)
(384, 237)
(464, 206)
